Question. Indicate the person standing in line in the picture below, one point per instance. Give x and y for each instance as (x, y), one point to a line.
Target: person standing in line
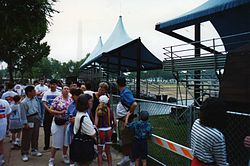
(102, 90)
(88, 89)
(125, 107)
(15, 122)
(143, 131)
(18, 88)
(58, 109)
(47, 99)
(31, 118)
(104, 121)
(70, 114)
(5, 110)
(41, 88)
(9, 94)
(83, 87)
(207, 140)
(83, 105)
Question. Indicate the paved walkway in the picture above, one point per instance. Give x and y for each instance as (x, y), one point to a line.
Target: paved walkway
(13, 157)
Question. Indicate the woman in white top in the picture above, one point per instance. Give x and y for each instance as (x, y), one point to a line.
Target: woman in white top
(84, 104)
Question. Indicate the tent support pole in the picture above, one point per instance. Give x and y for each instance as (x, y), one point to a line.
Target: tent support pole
(119, 66)
(107, 77)
(197, 53)
(138, 74)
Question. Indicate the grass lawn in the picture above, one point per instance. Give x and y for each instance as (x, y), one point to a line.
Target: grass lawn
(167, 127)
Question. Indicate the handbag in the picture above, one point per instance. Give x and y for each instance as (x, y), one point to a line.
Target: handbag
(82, 147)
(60, 120)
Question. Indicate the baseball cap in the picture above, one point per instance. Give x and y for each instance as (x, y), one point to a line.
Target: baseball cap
(104, 99)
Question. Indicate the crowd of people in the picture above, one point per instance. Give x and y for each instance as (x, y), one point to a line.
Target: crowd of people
(81, 123)
(75, 119)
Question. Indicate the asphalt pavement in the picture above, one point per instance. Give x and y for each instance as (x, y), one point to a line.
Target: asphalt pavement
(13, 157)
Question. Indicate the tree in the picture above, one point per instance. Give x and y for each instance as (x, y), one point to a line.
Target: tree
(30, 53)
(52, 68)
(21, 21)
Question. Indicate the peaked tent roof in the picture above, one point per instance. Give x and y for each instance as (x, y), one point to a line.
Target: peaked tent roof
(93, 54)
(121, 53)
(227, 16)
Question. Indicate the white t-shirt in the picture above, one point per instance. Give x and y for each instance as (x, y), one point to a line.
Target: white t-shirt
(4, 111)
(8, 96)
(49, 96)
(39, 88)
(87, 125)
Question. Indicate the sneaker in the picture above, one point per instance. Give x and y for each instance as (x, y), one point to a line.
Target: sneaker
(132, 163)
(104, 157)
(18, 142)
(2, 162)
(66, 159)
(25, 157)
(123, 161)
(36, 153)
(51, 162)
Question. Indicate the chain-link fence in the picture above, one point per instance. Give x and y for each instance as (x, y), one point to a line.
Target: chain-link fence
(238, 127)
(173, 122)
(169, 121)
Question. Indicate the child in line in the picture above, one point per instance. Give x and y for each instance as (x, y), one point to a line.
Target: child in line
(15, 122)
(104, 121)
(142, 130)
(4, 112)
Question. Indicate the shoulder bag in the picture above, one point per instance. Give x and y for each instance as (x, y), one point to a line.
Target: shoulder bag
(82, 146)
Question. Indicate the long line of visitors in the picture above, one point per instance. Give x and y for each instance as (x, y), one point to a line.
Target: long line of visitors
(69, 114)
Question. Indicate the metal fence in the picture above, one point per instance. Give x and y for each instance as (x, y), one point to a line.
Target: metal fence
(238, 127)
(173, 122)
(169, 121)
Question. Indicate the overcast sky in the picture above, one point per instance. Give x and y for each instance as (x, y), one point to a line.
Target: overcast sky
(99, 17)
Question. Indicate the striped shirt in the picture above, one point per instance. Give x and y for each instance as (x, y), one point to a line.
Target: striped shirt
(208, 144)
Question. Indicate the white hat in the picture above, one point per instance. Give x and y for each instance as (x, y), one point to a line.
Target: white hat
(104, 99)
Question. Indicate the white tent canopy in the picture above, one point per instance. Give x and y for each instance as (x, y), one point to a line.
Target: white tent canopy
(120, 53)
(96, 50)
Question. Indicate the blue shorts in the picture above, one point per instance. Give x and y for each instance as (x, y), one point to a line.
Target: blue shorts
(139, 149)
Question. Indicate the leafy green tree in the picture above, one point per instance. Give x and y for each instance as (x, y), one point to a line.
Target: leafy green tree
(52, 68)
(29, 54)
(20, 21)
